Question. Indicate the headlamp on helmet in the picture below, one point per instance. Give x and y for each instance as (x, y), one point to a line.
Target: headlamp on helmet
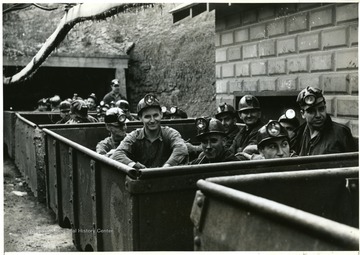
(202, 123)
(273, 128)
(173, 109)
(150, 99)
(289, 117)
(309, 97)
(290, 114)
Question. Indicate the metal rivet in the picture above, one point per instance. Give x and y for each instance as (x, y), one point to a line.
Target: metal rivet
(353, 186)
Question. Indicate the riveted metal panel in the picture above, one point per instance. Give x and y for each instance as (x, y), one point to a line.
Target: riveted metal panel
(9, 132)
(52, 176)
(64, 179)
(118, 223)
(40, 169)
(25, 153)
(83, 202)
(288, 211)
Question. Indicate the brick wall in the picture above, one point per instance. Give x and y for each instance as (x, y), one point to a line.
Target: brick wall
(273, 49)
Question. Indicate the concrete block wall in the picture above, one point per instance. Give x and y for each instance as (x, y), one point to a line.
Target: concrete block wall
(266, 49)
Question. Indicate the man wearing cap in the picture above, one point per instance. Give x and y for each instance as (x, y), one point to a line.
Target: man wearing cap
(272, 142)
(115, 120)
(152, 145)
(64, 112)
(79, 113)
(250, 113)
(227, 115)
(212, 136)
(319, 134)
(114, 95)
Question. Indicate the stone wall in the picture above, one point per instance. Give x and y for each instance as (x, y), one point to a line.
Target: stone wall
(273, 49)
(174, 61)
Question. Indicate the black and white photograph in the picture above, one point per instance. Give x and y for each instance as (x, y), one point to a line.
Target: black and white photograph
(180, 127)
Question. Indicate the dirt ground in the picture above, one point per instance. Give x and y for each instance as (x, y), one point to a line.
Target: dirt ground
(28, 224)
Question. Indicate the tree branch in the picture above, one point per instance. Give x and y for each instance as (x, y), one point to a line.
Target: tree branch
(77, 14)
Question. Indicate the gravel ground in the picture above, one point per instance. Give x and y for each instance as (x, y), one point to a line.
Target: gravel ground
(28, 224)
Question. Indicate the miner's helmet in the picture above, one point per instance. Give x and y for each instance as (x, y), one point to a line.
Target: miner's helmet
(290, 117)
(65, 106)
(149, 101)
(310, 97)
(270, 131)
(43, 101)
(207, 125)
(176, 112)
(114, 82)
(123, 104)
(79, 107)
(248, 102)
(93, 96)
(225, 108)
(115, 116)
(55, 100)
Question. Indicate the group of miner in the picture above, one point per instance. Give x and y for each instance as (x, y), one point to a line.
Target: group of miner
(87, 109)
(221, 138)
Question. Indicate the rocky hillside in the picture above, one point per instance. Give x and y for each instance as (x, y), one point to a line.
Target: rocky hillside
(175, 61)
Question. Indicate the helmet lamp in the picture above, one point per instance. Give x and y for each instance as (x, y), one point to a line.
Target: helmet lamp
(173, 109)
(309, 99)
(201, 124)
(163, 109)
(290, 114)
(122, 118)
(149, 99)
(273, 128)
